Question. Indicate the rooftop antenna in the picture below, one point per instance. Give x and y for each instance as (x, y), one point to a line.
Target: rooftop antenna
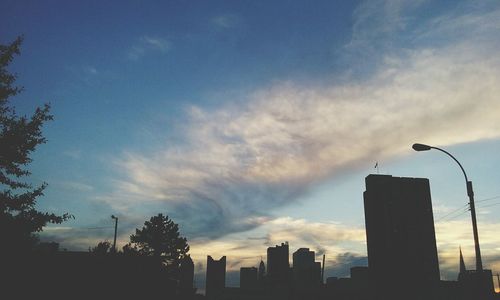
(376, 166)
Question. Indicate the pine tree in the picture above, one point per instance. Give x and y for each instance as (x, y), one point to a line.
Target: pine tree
(20, 221)
(160, 238)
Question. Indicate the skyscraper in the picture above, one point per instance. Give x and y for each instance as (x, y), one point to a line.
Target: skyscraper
(306, 272)
(216, 277)
(400, 233)
(278, 265)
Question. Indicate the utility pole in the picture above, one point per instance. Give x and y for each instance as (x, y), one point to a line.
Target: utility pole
(470, 193)
(116, 228)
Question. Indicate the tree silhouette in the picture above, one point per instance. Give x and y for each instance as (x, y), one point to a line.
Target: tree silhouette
(101, 248)
(19, 137)
(160, 238)
(130, 249)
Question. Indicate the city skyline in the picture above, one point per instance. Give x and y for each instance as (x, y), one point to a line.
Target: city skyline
(251, 124)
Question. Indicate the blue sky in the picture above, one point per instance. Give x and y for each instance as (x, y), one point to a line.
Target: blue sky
(255, 122)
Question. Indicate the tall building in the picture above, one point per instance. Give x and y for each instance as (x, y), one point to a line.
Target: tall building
(278, 265)
(186, 276)
(216, 277)
(306, 272)
(400, 233)
(248, 278)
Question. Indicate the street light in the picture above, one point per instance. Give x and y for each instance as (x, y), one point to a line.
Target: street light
(470, 193)
(116, 227)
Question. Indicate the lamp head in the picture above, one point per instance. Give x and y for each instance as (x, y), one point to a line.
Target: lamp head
(113, 217)
(421, 147)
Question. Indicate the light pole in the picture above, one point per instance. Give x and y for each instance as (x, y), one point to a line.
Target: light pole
(116, 227)
(470, 193)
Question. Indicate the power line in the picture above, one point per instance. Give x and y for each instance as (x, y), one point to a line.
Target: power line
(453, 218)
(488, 199)
(464, 209)
(493, 204)
(460, 209)
(90, 228)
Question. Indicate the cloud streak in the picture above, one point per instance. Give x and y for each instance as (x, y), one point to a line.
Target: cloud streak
(225, 21)
(238, 163)
(148, 44)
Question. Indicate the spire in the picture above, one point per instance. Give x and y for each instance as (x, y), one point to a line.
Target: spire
(262, 271)
(462, 263)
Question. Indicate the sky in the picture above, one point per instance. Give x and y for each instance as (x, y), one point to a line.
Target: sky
(252, 123)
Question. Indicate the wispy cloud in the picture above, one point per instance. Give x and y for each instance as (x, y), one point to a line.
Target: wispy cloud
(248, 248)
(344, 246)
(225, 21)
(75, 186)
(148, 44)
(236, 164)
(90, 70)
(82, 237)
(378, 19)
(73, 153)
(239, 163)
(452, 234)
(245, 250)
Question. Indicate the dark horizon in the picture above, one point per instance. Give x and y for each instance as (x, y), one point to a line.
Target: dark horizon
(402, 254)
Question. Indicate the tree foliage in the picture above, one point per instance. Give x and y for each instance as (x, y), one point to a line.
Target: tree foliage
(19, 137)
(102, 248)
(160, 238)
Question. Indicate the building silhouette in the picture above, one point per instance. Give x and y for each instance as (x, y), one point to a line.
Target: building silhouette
(306, 271)
(248, 278)
(402, 253)
(216, 277)
(186, 276)
(474, 284)
(262, 273)
(278, 265)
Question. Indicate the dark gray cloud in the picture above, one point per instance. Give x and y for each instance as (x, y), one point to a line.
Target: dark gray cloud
(342, 263)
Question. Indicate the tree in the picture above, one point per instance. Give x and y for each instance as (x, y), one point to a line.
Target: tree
(130, 250)
(160, 238)
(102, 248)
(19, 137)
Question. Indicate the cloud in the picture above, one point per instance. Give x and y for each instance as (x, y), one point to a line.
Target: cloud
(91, 70)
(343, 245)
(450, 235)
(71, 238)
(378, 19)
(73, 153)
(80, 238)
(247, 249)
(74, 185)
(238, 163)
(148, 44)
(380, 27)
(225, 21)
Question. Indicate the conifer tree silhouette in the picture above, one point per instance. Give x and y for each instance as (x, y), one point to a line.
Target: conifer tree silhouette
(160, 238)
(20, 221)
